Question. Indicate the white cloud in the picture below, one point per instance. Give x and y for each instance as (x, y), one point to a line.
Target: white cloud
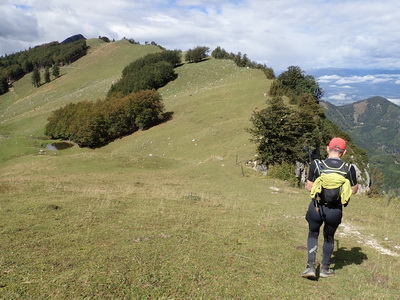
(15, 22)
(18, 29)
(338, 97)
(341, 98)
(328, 78)
(167, 20)
(395, 101)
(373, 79)
(355, 79)
(308, 34)
(380, 80)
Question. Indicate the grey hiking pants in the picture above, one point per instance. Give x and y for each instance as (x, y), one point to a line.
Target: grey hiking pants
(331, 217)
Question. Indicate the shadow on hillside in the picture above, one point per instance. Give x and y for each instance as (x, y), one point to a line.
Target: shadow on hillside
(343, 257)
(167, 116)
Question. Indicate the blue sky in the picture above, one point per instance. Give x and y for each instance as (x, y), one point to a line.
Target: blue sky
(345, 87)
(279, 33)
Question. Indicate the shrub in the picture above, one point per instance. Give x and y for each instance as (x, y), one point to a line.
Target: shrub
(95, 124)
(283, 171)
(150, 72)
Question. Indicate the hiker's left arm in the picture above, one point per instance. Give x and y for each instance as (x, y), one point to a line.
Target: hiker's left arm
(354, 188)
(353, 180)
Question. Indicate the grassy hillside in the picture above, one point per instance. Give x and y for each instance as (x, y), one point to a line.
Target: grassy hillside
(25, 109)
(170, 212)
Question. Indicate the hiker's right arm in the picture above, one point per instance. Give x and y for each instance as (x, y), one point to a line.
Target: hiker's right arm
(311, 176)
(353, 180)
(309, 185)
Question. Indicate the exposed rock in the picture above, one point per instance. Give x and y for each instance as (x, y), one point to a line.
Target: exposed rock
(73, 38)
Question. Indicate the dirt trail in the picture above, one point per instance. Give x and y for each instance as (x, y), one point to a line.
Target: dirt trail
(347, 230)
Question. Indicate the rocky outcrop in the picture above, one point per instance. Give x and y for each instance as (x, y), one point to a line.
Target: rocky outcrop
(73, 38)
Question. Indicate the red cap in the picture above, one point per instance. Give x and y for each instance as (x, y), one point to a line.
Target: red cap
(337, 144)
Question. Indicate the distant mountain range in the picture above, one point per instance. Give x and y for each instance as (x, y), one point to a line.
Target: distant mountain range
(344, 86)
(374, 124)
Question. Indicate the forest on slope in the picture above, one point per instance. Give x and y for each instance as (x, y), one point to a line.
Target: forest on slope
(374, 124)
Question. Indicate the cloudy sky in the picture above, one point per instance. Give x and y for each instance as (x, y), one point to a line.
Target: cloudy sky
(279, 33)
(342, 89)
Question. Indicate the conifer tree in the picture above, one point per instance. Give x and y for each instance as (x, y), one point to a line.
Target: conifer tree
(47, 75)
(3, 85)
(55, 70)
(36, 77)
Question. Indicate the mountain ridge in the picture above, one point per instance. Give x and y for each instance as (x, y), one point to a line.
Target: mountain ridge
(376, 120)
(374, 124)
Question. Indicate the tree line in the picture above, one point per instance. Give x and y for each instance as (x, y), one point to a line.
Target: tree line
(132, 103)
(294, 84)
(241, 60)
(36, 77)
(296, 129)
(15, 66)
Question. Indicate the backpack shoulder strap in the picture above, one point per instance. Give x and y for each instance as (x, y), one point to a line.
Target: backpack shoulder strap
(342, 170)
(346, 167)
(319, 166)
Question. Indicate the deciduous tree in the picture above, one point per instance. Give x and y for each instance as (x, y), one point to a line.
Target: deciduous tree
(271, 131)
(197, 54)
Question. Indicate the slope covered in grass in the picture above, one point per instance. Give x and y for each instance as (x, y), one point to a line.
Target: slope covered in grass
(24, 110)
(170, 212)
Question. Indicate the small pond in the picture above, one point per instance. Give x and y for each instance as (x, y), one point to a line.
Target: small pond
(59, 146)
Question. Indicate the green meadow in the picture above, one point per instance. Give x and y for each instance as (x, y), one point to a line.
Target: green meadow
(171, 212)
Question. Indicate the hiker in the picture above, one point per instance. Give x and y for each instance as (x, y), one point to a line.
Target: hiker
(327, 204)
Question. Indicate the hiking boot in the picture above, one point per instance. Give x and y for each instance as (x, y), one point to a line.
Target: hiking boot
(326, 272)
(309, 272)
